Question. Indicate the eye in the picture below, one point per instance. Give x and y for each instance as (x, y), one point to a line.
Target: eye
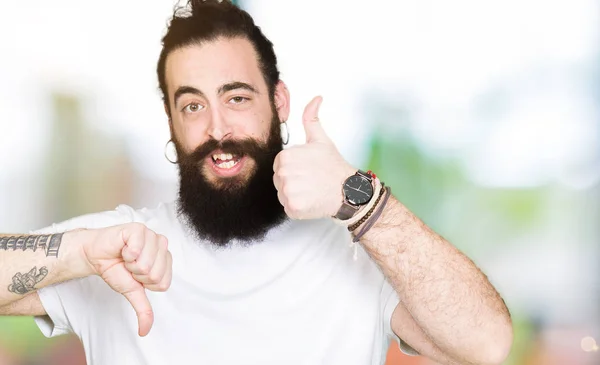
(192, 108)
(238, 100)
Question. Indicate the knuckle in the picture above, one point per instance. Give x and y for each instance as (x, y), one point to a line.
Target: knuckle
(293, 207)
(284, 157)
(279, 174)
(137, 226)
(149, 234)
(292, 204)
(146, 313)
(289, 212)
(284, 173)
(133, 250)
(143, 268)
(287, 189)
(163, 241)
(164, 286)
(281, 198)
(297, 206)
(154, 277)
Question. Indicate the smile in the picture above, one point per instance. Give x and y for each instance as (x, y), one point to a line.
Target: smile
(225, 160)
(226, 164)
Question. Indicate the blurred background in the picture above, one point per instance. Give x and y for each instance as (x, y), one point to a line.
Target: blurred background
(484, 116)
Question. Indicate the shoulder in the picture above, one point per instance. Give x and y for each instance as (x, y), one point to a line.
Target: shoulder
(120, 215)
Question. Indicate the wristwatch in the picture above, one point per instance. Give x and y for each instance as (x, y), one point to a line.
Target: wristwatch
(358, 191)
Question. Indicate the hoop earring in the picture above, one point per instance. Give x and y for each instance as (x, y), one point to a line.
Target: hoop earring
(284, 126)
(174, 162)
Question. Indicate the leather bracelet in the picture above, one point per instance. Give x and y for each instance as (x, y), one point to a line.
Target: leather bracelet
(375, 217)
(362, 220)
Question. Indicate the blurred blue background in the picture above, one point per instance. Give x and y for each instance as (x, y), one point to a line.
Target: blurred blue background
(484, 117)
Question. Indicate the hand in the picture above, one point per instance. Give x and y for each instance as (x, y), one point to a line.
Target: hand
(130, 258)
(309, 177)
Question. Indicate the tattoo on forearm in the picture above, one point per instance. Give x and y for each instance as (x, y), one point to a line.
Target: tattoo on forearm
(49, 243)
(25, 283)
(54, 245)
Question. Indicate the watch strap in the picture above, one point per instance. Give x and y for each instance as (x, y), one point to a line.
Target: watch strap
(346, 211)
(367, 175)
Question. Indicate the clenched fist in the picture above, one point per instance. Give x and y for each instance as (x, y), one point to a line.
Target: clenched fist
(130, 258)
(309, 177)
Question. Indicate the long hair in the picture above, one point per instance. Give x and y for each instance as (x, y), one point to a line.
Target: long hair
(207, 20)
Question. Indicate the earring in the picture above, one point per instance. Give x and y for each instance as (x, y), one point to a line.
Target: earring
(172, 150)
(284, 126)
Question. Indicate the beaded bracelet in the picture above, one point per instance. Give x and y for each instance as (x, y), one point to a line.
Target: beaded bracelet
(375, 217)
(357, 224)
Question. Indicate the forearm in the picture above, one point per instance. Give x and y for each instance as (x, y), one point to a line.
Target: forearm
(446, 294)
(30, 262)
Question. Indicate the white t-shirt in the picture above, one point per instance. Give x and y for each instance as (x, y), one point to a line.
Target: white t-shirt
(299, 297)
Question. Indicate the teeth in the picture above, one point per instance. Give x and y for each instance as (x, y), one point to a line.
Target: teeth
(227, 165)
(222, 156)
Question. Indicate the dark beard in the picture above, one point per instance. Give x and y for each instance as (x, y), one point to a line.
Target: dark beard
(235, 209)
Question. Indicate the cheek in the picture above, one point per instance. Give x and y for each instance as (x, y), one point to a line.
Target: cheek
(251, 124)
(190, 136)
(260, 127)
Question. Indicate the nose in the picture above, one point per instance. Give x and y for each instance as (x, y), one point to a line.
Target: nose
(218, 128)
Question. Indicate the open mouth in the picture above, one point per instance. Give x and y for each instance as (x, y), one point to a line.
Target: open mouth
(225, 160)
(226, 164)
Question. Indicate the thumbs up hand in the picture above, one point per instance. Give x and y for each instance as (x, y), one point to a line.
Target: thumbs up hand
(309, 177)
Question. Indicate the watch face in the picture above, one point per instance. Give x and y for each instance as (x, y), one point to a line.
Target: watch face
(358, 190)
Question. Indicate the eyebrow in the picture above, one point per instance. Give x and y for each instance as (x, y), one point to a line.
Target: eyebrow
(182, 90)
(237, 85)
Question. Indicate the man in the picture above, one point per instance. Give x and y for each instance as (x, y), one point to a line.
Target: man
(262, 272)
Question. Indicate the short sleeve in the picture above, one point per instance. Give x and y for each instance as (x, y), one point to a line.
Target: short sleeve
(389, 300)
(65, 303)
(122, 214)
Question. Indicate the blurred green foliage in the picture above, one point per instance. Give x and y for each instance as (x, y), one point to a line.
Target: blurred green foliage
(478, 220)
(20, 336)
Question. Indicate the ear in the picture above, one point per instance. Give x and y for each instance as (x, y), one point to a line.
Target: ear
(171, 129)
(167, 109)
(282, 101)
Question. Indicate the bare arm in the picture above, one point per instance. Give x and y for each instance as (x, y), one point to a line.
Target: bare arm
(411, 333)
(456, 309)
(29, 305)
(450, 300)
(130, 258)
(31, 262)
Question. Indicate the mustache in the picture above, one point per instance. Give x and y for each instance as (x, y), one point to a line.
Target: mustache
(241, 147)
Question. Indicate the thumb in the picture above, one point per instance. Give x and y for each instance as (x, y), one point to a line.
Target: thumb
(312, 125)
(132, 236)
(140, 303)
